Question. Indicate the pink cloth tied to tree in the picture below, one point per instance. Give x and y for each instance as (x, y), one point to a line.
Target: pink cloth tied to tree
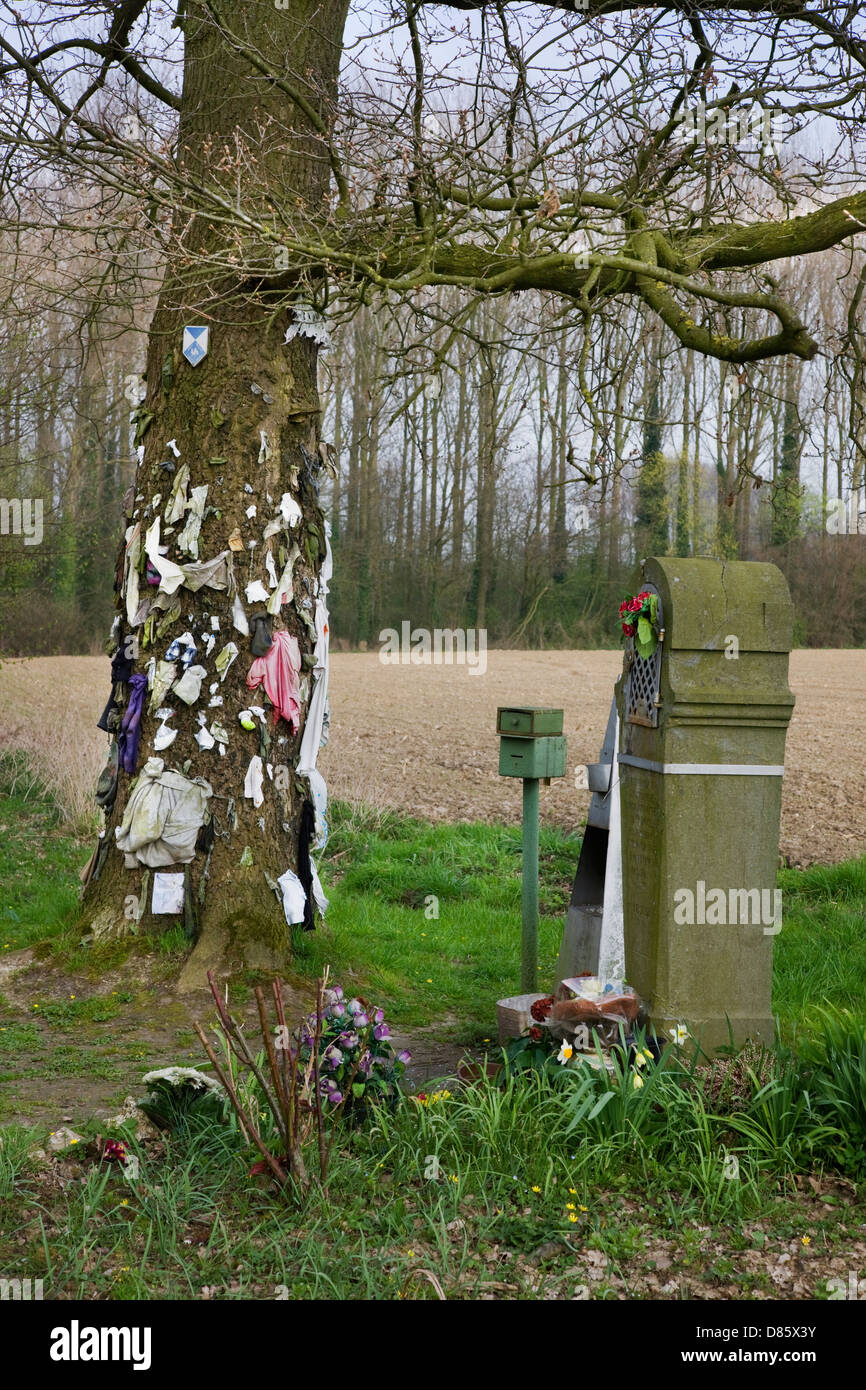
(279, 669)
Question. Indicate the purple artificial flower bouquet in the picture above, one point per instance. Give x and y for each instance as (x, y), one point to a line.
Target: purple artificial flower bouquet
(358, 1063)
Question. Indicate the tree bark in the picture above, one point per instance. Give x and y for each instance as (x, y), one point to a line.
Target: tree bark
(246, 421)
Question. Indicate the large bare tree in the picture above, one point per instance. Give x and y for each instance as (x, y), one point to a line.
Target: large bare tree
(285, 161)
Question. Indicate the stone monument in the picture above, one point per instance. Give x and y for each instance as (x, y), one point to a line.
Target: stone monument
(702, 725)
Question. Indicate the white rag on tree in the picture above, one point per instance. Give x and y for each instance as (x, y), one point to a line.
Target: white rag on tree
(294, 897)
(611, 951)
(314, 727)
(163, 816)
(215, 573)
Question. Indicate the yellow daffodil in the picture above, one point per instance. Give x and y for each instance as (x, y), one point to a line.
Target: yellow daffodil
(423, 1099)
(637, 1081)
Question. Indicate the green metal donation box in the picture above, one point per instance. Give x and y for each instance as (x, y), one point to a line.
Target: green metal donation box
(531, 746)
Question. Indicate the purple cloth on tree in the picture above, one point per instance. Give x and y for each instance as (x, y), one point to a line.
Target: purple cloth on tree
(121, 670)
(130, 729)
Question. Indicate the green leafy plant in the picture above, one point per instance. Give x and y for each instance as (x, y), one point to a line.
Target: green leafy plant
(638, 617)
(533, 1051)
(834, 1065)
(287, 1096)
(276, 1096)
(358, 1063)
(179, 1096)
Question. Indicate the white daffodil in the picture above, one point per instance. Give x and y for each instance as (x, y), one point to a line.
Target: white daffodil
(679, 1034)
(565, 1053)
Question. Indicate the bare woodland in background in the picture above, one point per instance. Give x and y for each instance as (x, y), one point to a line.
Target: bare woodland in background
(501, 459)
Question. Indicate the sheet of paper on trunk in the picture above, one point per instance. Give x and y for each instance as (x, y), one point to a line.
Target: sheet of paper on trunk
(167, 894)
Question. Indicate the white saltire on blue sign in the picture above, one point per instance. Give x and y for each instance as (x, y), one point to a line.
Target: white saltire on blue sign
(195, 344)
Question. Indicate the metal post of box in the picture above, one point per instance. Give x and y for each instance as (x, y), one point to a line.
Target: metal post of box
(533, 748)
(702, 746)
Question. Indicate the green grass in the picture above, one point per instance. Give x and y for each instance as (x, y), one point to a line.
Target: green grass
(428, 917)
(39, 860)
(820, 953)
(388, 876)
(380, 870)
(526, 1201)
(69, 1013)
(642, 1175)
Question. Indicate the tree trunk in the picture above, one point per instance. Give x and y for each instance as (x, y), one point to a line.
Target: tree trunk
(651, 508)
(786, 497)
(558, 531)
(246, 422)
(682, 546)
(462, 434)
(486, 489)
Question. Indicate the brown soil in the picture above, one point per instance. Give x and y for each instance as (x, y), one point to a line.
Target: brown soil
(422, 738)
(41, 1082)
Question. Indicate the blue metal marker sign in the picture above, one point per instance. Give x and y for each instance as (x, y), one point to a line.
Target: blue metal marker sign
(195, 344)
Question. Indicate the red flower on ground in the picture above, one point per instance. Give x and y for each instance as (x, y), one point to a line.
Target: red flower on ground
(262, 1167)
(541, 1008)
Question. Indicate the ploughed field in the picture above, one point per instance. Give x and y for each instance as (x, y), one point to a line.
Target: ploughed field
(422, 739)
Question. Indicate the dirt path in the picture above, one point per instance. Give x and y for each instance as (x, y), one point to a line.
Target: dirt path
(72, 1049)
